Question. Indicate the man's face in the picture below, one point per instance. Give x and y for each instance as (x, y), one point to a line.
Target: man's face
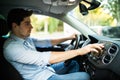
(24, 29)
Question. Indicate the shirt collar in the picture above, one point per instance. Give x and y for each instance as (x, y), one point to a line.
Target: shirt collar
(14, 37)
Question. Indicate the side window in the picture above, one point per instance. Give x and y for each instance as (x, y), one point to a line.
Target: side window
(45, 27)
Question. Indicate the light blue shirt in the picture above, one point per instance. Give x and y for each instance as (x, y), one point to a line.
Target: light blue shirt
(31, 64)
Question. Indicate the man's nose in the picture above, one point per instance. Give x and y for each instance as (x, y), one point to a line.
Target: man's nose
(31, 26)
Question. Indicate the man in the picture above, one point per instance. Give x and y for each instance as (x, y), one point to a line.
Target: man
(19, 50)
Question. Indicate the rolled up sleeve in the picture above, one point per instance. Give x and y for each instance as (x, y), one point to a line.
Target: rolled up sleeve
(42, 43)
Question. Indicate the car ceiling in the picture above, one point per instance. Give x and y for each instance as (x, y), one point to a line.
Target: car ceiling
(39, 6)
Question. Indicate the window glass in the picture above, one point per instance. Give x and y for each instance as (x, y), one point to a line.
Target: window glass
(45, 27)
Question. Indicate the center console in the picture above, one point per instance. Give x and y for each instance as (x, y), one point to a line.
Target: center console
(109, 53)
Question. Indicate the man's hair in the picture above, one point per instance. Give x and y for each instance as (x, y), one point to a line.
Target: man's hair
(17, 15)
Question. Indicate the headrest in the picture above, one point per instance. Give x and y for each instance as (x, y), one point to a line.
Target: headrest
(3, 26)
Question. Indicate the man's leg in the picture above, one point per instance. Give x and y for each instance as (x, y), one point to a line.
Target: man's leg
(60, 68)
(71, 76)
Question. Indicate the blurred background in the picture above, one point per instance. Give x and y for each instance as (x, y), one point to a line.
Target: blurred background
(103, 20)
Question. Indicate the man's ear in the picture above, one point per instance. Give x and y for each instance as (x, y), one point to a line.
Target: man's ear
(14, 25)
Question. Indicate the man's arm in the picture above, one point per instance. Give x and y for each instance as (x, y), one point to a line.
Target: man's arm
(62, 56)
(57, 41)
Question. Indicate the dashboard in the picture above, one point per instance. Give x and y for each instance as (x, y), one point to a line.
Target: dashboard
(109, 58)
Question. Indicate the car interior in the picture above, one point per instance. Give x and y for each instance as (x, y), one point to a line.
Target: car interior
(7, 71)
(104, 66)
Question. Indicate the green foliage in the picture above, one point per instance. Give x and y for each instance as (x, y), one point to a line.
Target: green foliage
(39, 24)
(36, 24)
(53, 24)
(96, 17)
(114, 8)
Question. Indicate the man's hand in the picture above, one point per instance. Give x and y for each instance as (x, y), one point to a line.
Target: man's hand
(73, 36)
(96, 48)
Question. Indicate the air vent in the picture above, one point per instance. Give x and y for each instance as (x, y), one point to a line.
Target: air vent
(112, 50)
(110, 55)
(107, 59)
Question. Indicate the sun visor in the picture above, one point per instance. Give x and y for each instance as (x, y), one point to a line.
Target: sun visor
(61, 6)
(60, 2)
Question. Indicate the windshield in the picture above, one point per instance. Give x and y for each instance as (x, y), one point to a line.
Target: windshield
(104, 20)
(100, 20)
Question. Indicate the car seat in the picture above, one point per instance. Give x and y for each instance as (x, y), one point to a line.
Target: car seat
(7, 71)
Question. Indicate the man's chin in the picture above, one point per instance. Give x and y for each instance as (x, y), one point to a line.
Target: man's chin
(28, 35)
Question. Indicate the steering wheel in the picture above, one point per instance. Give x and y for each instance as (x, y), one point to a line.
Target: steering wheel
(74, 43)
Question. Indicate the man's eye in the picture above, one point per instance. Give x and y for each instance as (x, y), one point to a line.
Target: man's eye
(27, 24)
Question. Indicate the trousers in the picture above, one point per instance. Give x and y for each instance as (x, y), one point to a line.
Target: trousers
(70, 72)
